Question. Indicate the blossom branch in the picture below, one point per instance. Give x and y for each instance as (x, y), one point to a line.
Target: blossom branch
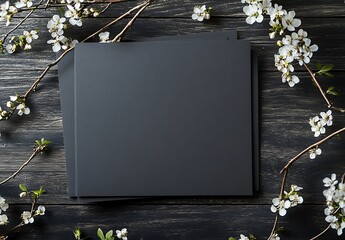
(321, 233)
(21, 22)
(40, 146)
(119, 36)
(328, 102)
(292, 160)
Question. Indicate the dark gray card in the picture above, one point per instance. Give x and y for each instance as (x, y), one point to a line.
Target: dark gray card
(169, 118)
(66, 84)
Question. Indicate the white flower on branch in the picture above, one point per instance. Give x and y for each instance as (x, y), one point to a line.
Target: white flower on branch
(3, 219)
(276, 12)
(76, 3)
(11, 48)
(29, 36)
(242, 237)
(3, 205)
(23, 3)
(335, 201)
(201, 13)
(290, 79)
(290, 22)
(327, 118)
(254, 13)
(104, 37)
(7, 11)
(40, 210)
(122, 234)
(275, 236)
(317, 126)
(27, 217)
(23, 109)
(74, 16)
(56, 25)
(314, 152)
(280, 206)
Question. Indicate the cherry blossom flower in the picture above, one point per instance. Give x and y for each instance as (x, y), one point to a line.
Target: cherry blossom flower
(3, 219)
(3, 205)
(290, 22)
(122, 234)
(254, 13)
(280, 206)
(104, 37)
(23, 109)
(201, 13)
(314, 152)
(40, 210)
(327, 118)
(27, 217)
(23, 3)
(29, 36)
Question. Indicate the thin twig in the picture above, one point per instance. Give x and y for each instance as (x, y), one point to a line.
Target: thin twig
(321, 233)
(21, 22)
(292, 160)
(130, 23)
(37, 150)
(328, 102)
(274, 226)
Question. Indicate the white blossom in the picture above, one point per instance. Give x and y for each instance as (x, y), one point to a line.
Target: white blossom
(276, 12)
(74, 16)
(254, 13)
(317, 126)
(29, 36)
(7, 11)
(23, 109)
(3, 205)
(24, 3)
(104, 37)
(290, 22)
(314, 152)
(327, 118)
(242, 237)
(3, 219)
(122, 234)
(27, 217)
(40, 210)
(275, 236)
(11, 48)
(201, 13)
(280, 206)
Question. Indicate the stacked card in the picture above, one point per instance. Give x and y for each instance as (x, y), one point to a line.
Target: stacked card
(170, 116)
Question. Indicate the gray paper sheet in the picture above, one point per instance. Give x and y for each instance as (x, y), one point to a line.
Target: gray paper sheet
(176, 124)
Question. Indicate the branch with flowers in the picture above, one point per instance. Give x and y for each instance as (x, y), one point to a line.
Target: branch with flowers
(297, 47)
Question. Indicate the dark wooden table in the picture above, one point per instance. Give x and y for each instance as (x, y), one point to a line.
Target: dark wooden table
(284, 115)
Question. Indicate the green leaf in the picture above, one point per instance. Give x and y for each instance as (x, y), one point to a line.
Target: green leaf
(100, 234)
(38, 193)
(232, 238)
(325, 70)
(331, 91)
(251, 237)
(109, 234)
(280, 229)
(23, 188)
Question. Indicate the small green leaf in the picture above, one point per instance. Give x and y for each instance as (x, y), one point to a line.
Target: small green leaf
(251, 237)
(23, 188)
(280, 229)
(109, 234)
(232, 238)
(331, 91)
(100, 234)
(77, 233)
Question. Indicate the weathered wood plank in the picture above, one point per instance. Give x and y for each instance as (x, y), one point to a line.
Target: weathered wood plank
(221, 8)
(171, 222)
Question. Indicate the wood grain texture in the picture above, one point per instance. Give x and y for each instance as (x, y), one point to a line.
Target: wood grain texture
(284, 131)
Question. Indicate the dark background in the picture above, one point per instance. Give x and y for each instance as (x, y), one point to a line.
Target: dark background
(284, 115)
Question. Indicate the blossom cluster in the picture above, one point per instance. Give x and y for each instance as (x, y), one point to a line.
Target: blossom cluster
(318, 123)
(3, 208)
(15, 103)
(292, 47)
(288, 200)
(335, 202)
(201, 12)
